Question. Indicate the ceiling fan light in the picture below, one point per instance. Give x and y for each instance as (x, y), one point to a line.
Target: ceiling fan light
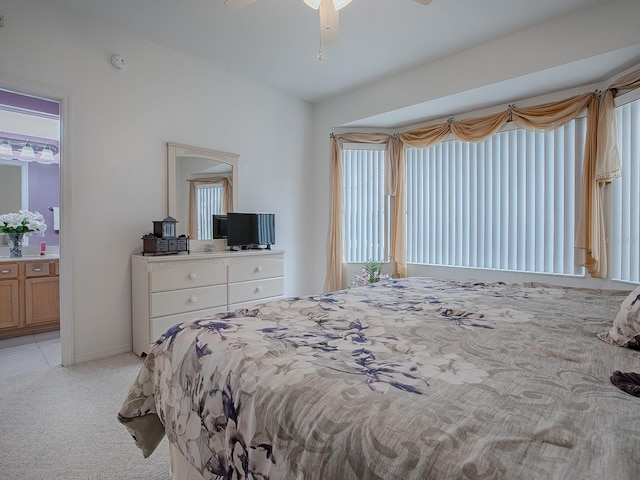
(340, 3)
(315, 4)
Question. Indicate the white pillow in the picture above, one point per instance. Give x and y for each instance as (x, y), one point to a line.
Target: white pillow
(626, 325)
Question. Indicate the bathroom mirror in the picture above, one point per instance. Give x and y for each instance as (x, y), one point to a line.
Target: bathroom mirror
(31, 186)
(201, 182)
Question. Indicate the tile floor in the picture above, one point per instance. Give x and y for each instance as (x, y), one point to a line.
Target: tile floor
(28, 353)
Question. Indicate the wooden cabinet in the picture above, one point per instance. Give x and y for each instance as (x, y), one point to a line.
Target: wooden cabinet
(30, 298)
(169, 290)
(9, 312)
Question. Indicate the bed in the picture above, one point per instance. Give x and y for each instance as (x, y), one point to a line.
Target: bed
(403, 379)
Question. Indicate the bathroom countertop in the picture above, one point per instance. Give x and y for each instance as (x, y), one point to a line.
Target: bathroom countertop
(29, 258)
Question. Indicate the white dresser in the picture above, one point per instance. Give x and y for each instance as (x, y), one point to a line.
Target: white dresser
(167, 290)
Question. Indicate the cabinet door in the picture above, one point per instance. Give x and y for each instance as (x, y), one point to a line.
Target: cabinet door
(42, 300)
(9, 301)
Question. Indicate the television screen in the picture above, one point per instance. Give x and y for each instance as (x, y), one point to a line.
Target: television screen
(219, 226)
(250, 229)
(241, 229)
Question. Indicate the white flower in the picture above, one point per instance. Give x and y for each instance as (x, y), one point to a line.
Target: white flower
(23, 222)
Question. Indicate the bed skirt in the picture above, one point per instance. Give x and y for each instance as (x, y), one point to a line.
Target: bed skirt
(181, 469)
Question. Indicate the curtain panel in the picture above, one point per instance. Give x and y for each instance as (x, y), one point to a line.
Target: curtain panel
(335, 268)
(601, 166)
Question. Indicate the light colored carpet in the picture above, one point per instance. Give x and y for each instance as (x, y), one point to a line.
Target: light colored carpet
(61, 423)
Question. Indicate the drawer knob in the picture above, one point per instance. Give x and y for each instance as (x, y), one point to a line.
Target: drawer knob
(193, 276)
(37, 269)
(5, 271)
(258, 269)
(258, 289)
(193, 299)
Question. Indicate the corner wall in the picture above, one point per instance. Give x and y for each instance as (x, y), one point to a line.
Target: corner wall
(114, 170)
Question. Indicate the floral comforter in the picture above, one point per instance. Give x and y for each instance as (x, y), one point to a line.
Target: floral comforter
(404, 379)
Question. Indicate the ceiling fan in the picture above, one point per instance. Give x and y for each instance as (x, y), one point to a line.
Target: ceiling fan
(327, 12)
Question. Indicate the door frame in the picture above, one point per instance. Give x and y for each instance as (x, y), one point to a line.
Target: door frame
(66, 205)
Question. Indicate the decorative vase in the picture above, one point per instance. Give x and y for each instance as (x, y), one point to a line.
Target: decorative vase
(15, 244)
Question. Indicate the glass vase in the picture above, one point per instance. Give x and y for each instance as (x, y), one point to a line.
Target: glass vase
(15, 244)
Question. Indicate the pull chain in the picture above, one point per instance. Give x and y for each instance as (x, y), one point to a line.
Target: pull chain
(320, 37)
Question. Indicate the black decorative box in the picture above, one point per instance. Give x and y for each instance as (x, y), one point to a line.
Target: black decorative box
(163, 240)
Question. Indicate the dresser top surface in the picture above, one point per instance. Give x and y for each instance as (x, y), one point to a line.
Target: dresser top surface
(205, 255)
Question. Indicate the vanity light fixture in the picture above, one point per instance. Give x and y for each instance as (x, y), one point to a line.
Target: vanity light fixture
(27, 154)
(5, 150)
(46, 156)
(27, 150)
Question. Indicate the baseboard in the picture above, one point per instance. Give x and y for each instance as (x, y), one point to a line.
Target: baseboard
(86, 357)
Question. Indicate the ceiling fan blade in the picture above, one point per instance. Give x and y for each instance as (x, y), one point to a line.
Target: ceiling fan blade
(237, 3)
(329, 22)
(423, 2)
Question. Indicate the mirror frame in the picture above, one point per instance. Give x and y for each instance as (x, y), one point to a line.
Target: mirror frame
(175, 151)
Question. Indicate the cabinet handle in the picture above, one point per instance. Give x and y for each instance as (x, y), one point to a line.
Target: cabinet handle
(37, 269)
(258, 289)
(5, 271)
(193, 299)
(193, 276)
(258, 269)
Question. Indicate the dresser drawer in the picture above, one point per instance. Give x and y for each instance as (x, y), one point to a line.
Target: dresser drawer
(169, 290)
(187, 275)
(8, 270)
(255, 290)
(188, 300)
(37, 269)
(255, 269)
(162, 324)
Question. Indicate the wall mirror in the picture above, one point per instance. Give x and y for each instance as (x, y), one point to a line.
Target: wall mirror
(31, 186)
(201, 182)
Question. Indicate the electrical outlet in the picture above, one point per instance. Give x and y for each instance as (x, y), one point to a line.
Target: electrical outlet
(1, 20)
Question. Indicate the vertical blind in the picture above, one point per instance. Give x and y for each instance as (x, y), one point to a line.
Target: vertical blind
(209, 200)
(625, 234)
(366, 206)
(507, 203)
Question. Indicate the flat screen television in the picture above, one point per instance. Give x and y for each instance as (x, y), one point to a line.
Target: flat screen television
(219, 226)
(251, 230)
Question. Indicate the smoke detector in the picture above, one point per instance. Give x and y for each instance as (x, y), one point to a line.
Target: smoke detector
(118, 62)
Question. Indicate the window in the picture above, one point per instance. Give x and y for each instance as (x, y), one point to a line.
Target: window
(507, 203)
(625, 234)
(209, 199)
(366, 207)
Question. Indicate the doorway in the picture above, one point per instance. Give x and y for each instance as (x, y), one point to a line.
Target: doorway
(30, 131)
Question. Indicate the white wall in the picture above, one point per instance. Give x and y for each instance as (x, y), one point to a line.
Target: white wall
(592, 31)
(114, 169)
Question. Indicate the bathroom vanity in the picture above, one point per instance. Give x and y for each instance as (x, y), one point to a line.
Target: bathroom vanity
(29, 295)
